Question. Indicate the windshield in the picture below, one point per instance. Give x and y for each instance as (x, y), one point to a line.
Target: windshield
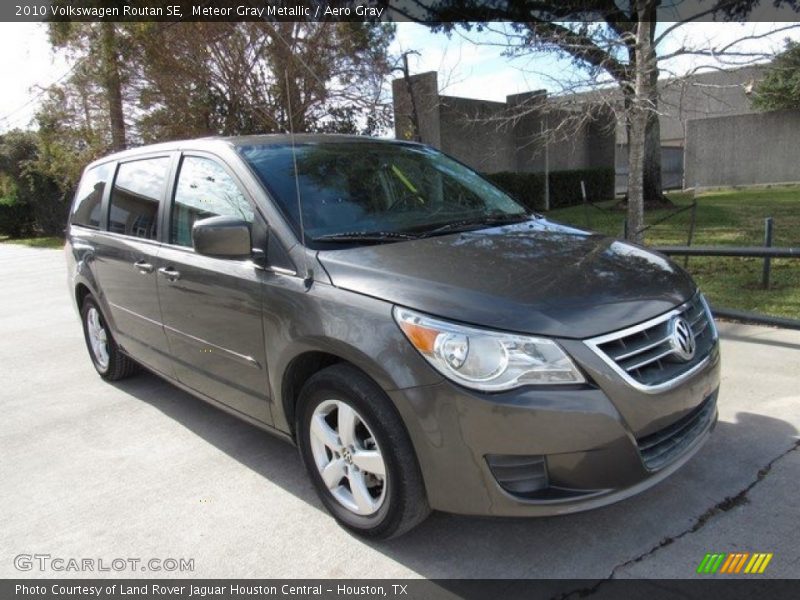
(378, 190)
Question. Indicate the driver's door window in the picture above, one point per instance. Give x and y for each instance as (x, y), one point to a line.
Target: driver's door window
(204, 190)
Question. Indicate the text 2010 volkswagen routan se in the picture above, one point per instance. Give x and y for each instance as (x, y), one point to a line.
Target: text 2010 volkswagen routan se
(424, 340)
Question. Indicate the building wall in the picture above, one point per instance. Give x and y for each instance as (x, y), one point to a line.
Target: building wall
(714, 94)
(499, 136)
(749, 149)
(475, 132)
(709, 133)
(704, 95)
(526, 131)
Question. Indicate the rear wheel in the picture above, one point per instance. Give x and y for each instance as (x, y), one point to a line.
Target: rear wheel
(358, 454)
(109, 361)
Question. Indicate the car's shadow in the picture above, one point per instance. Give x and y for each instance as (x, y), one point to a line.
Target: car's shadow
(450, 546)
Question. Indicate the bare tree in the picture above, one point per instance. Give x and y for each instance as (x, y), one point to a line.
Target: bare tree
(619, 54)
(641, 110)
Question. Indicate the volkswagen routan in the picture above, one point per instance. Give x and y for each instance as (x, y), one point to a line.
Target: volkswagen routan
(426, 341)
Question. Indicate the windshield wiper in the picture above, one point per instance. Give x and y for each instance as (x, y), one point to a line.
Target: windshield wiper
(391, 236)
(489, 220)
(365, 236)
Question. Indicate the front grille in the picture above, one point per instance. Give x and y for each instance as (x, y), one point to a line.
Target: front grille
(665, 445)
(644, 353)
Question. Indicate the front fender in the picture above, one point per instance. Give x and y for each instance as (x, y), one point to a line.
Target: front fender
(349, 326)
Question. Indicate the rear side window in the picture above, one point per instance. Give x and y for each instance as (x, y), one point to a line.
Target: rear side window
(138, 187)
(86, 209)
(204, 190)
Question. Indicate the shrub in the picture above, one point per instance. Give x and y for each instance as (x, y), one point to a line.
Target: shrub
(16, 218)
(526, 188)
(565, 186)
(33, 197)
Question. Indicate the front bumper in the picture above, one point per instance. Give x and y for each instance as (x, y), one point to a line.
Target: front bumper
(594, 439)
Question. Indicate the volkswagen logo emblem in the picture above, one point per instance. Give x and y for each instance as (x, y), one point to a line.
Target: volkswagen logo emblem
(681, 339)
(347, 456)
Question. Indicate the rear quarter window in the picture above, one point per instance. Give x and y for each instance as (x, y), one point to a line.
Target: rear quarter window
(86, 208)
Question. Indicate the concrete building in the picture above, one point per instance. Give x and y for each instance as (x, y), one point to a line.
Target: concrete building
(507, 136)
(748, 149)
(500, 136)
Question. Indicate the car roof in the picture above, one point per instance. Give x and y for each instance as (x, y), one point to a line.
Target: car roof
(304, 138)
(244, 140)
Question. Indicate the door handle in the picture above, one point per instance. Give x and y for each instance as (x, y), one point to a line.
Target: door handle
(170, 273)
(144, 267)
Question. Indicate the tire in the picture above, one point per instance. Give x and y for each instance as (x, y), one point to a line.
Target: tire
(113, 364)
(398, 499)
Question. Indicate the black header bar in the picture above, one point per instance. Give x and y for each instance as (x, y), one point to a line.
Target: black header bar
(424, 11)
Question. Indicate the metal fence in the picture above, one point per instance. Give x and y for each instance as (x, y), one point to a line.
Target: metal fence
(766, 253)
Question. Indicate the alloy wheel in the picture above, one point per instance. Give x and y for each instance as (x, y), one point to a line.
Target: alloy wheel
(98, 338)
(347, 457)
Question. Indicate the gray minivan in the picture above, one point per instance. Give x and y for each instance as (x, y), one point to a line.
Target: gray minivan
(426, 341)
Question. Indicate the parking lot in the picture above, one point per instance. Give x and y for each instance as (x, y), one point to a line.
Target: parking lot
(141, 469)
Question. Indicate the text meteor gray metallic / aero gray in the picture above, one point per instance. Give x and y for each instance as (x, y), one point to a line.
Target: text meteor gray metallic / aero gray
(424, 339)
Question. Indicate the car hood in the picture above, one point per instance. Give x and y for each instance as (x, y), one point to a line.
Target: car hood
(536, 277)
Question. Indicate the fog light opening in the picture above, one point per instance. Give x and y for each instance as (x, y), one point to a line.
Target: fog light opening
(520, 475)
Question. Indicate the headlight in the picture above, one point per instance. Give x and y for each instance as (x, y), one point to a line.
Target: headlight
(486, 360)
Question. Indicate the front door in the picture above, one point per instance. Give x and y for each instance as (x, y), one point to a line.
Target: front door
(211, 307)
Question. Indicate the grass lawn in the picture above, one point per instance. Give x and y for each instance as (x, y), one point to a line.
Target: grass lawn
(726, 217)
(35, 242)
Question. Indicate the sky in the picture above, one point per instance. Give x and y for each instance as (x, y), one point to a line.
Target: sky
(469, 64)
(472, 64)
(27, 62)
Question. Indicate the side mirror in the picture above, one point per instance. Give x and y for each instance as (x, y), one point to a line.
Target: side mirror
(223, 237)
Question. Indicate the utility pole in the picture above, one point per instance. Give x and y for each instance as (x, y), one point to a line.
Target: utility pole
(414, 113)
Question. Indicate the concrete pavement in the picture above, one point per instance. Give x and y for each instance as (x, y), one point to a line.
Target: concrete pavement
(142, 470)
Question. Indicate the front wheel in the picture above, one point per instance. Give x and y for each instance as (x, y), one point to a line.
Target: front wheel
(107, 358)
(358, 454)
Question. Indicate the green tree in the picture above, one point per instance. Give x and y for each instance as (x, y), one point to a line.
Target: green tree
(105, 53)
(236, 78)
(780, 88)
(216, 79)
(73, 128)
(35, 199)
